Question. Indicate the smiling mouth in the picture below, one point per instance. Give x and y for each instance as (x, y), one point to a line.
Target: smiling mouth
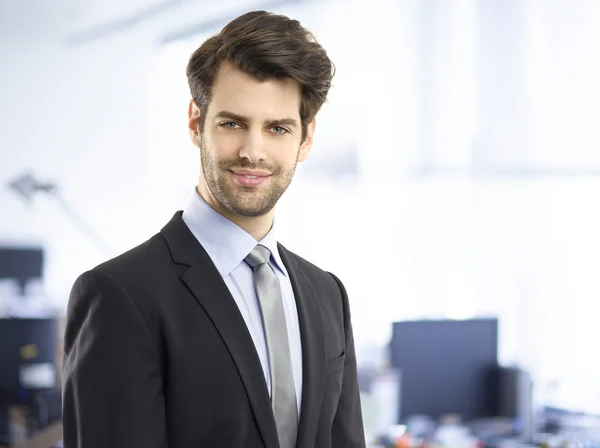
(249, 180)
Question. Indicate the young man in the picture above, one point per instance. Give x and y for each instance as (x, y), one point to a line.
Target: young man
(211, 333)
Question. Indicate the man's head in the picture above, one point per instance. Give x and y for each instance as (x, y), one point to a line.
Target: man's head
(256, 88)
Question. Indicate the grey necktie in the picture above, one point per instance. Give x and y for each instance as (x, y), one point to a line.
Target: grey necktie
(283, 393)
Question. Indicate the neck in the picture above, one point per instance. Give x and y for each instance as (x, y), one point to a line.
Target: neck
(258, 226)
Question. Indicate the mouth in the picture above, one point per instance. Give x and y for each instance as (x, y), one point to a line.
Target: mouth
(250, 178)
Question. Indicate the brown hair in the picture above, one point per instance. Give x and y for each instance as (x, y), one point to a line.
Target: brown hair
(266, 46)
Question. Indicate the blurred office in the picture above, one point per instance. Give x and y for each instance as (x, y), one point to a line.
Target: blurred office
(452, 187)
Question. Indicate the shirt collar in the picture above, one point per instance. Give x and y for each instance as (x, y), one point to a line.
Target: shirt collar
(270, 242)
(225, 242)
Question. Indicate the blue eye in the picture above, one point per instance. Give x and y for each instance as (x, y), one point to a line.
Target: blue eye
(230, 125)
(278, 130)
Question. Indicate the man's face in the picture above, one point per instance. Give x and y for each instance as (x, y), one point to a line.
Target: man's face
(251, 141)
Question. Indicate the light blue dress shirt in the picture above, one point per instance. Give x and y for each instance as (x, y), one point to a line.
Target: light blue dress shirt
(227, 245)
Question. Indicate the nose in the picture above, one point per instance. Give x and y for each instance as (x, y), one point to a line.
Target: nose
(253, 147)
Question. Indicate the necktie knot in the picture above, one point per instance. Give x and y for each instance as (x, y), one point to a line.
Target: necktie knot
(259, 255)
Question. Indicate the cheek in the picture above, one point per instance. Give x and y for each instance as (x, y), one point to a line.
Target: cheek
(223, 147)
(284, 155)
(282, 162)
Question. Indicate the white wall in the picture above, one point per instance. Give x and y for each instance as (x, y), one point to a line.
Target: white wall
(75, 117)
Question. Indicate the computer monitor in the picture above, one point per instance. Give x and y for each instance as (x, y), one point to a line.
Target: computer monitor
(21, 264)
(445, 367)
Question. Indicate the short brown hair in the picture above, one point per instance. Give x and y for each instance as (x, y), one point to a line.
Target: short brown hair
(266, 46)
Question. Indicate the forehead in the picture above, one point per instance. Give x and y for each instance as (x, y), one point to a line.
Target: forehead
(240, 93)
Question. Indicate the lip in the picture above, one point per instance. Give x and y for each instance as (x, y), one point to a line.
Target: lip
(251, 173)
(240, 177)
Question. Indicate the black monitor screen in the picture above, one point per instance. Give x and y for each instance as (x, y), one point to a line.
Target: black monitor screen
(446, 367)
(21, 263)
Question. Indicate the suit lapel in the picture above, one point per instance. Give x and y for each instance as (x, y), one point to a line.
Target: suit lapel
(212, 294)
(314, 356)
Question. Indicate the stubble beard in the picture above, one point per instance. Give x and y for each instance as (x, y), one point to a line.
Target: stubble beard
(249, 202)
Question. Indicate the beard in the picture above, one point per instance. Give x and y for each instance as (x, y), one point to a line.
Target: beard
(240, 200)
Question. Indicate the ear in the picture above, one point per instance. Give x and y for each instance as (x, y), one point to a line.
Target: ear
(308, 141)
(194, 122)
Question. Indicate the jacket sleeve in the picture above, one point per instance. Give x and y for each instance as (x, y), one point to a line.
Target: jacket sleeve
(112, 382)
(347, 430)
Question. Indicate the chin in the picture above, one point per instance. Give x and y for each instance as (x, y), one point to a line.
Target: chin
(254, 212)
(242, 208)
(249, 202)
(251, 213)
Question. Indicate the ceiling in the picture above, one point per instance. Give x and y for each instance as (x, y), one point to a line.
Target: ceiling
(82, 21)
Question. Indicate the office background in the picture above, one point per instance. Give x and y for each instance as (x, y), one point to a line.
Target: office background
(455, 173)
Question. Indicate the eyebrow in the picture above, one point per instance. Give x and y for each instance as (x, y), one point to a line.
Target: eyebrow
(273, 122)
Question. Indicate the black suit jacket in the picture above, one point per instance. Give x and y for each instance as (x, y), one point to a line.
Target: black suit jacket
(157, 354)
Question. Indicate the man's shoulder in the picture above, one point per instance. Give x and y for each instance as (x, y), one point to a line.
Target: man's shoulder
(139, 261)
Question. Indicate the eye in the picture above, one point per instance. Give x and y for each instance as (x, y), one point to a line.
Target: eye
(278, 130)
(230, 125)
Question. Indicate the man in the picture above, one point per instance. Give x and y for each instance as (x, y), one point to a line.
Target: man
(211, 333)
